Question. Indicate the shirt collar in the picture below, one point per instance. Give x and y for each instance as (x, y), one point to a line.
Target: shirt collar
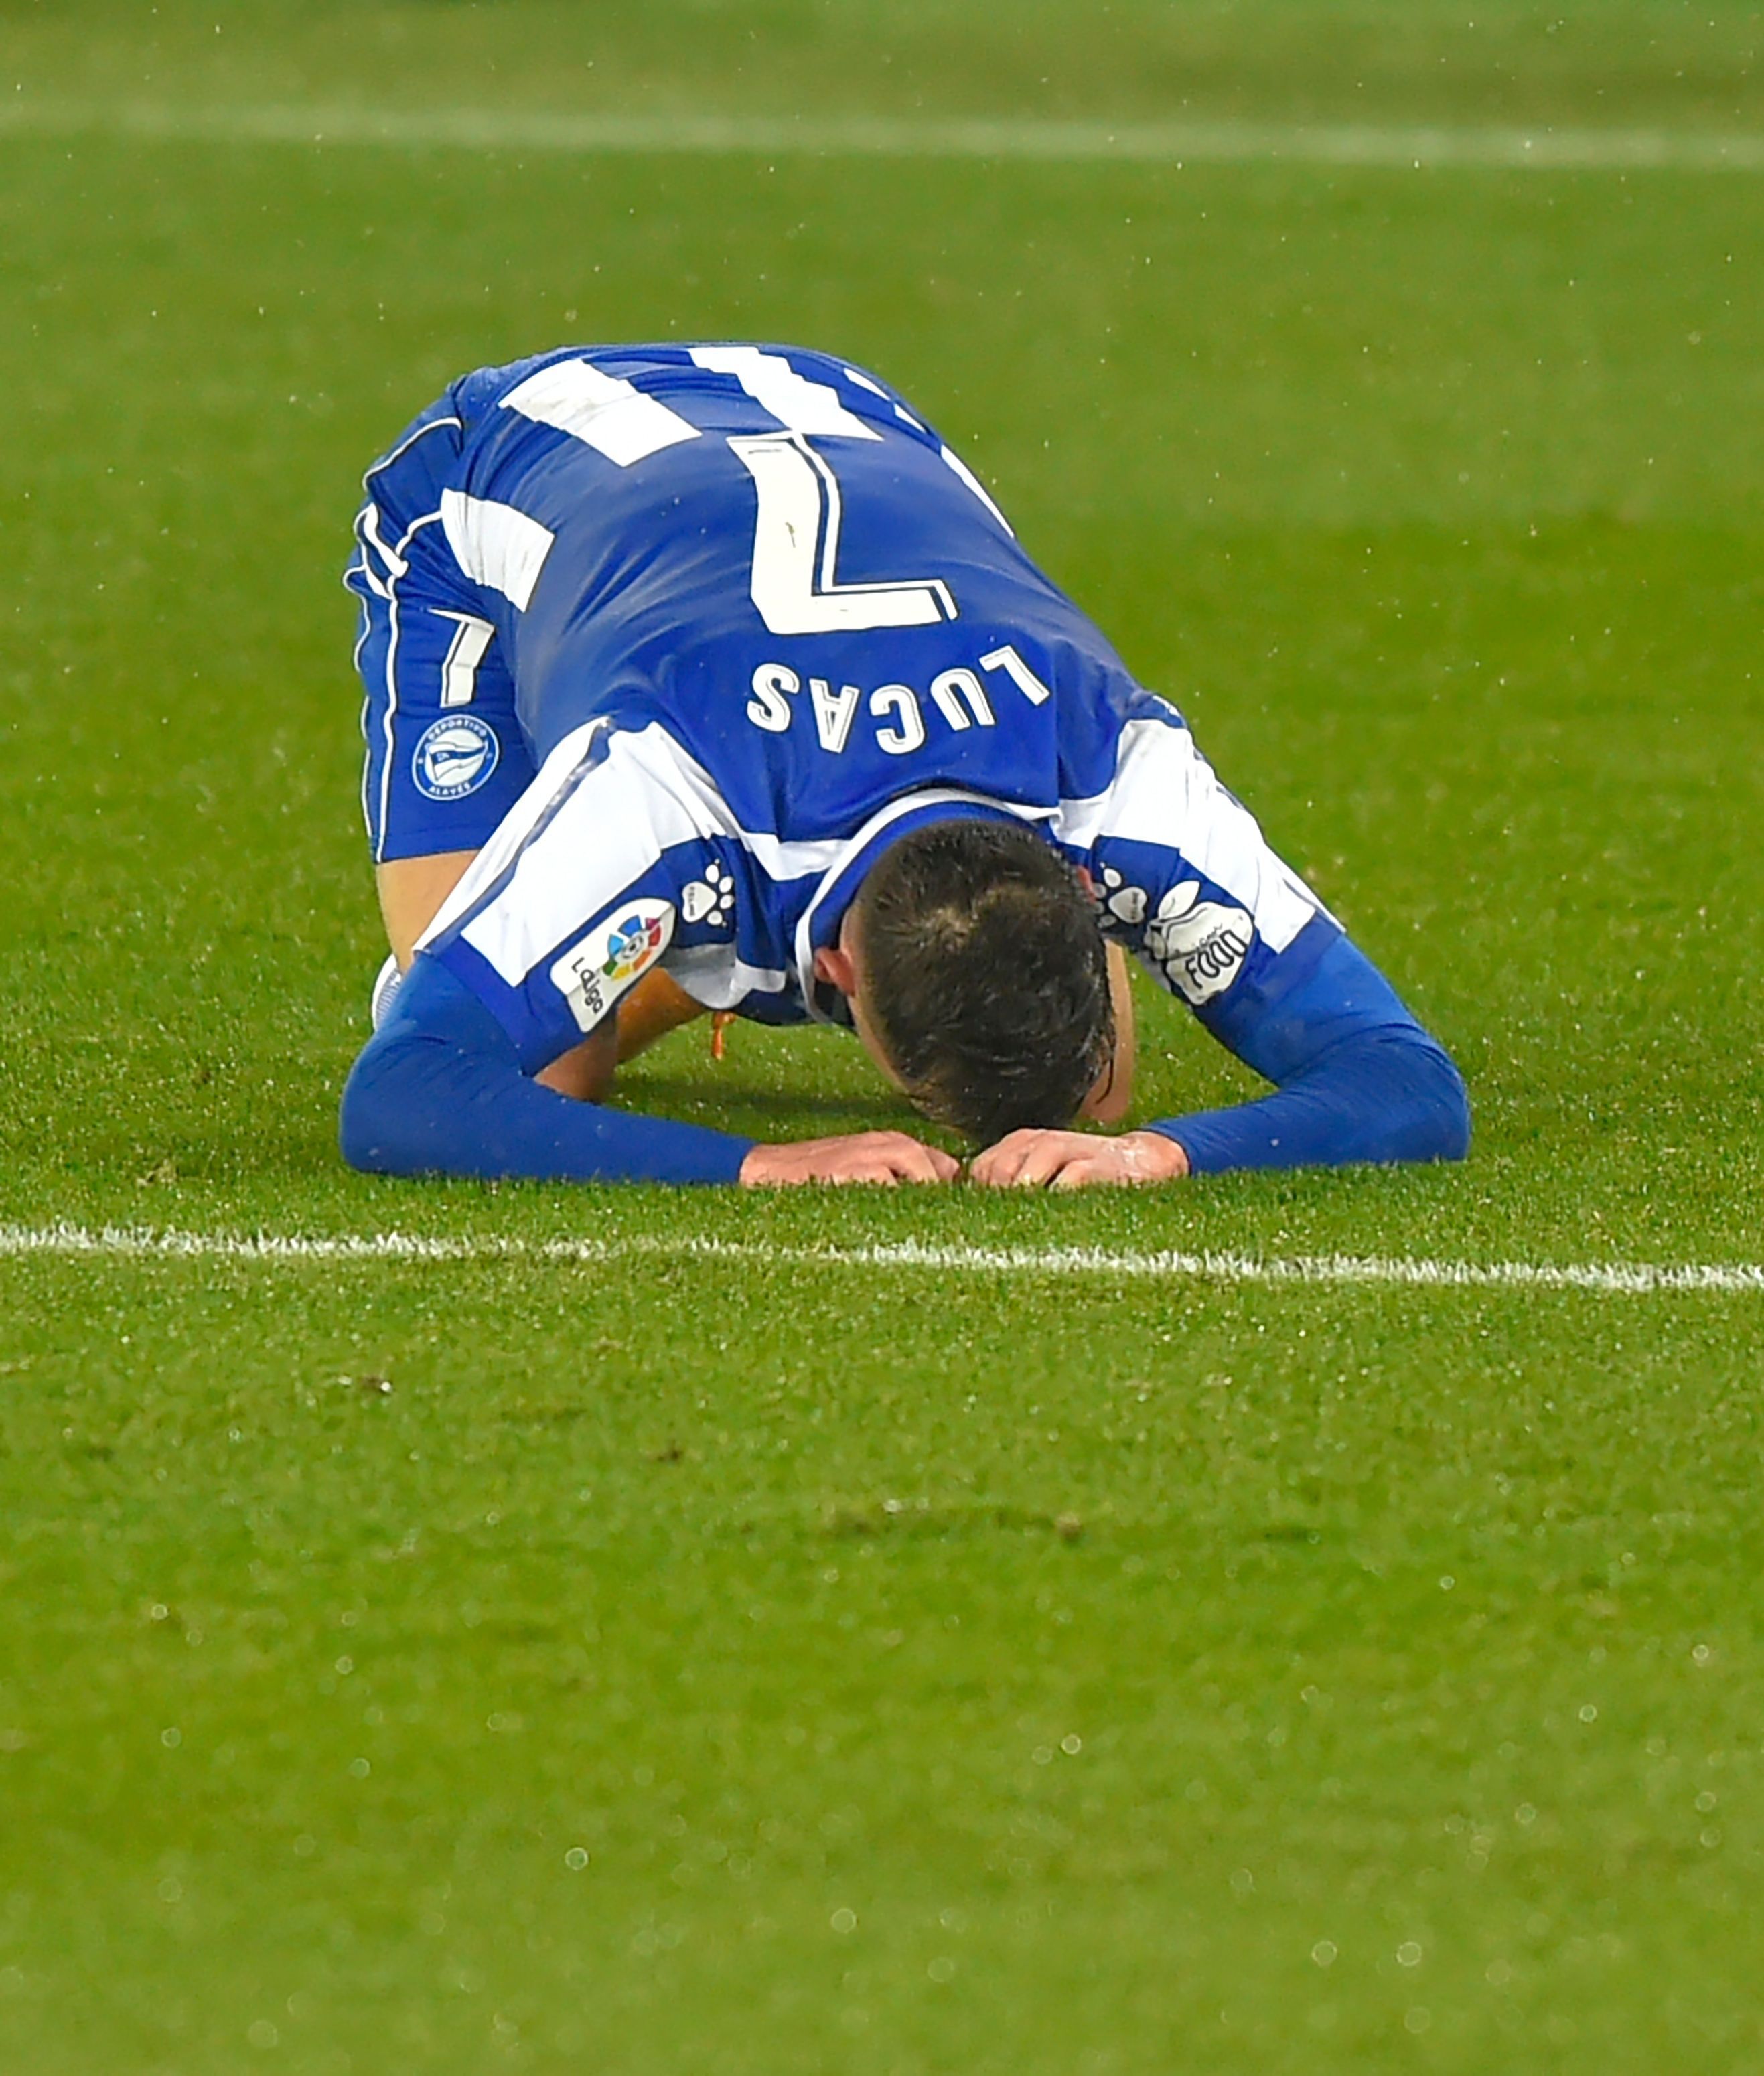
(820, 921)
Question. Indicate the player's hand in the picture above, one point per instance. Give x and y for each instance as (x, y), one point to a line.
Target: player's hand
(1077, 1160)
(863, 1156)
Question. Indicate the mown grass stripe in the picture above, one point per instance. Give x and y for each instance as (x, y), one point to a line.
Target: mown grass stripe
(1618, 1279)
(1398, 146)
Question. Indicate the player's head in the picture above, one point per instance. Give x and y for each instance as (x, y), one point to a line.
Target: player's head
(982, 977)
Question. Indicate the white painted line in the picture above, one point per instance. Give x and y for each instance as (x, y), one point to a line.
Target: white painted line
(1404, 147)
(1618, 1279)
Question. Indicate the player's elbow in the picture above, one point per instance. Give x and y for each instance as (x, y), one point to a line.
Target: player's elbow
(375, 1117)
(1430, 1107)
(1456, 1138)
(359, 1126)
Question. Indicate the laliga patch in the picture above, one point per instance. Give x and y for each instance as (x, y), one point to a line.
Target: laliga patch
(592, 975)
(454, 757)
(1201, 944)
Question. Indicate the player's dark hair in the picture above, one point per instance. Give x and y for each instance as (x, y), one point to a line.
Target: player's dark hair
(986, 976)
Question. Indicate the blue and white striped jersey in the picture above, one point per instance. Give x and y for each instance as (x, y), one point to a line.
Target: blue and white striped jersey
(760, 621)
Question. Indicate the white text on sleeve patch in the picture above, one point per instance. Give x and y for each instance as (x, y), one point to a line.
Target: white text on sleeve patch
(1201, 944)
(591, 975)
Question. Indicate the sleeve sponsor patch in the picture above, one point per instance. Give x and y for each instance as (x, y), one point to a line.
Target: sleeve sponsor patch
(1202, 946)
(592, 974)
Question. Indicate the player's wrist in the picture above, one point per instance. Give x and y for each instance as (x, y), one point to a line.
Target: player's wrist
(1160, 1158)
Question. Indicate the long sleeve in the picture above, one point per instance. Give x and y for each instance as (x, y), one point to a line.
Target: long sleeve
(439, 1089)
(1358, 1078)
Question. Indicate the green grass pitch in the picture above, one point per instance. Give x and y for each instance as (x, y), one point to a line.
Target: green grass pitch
(763, 1664)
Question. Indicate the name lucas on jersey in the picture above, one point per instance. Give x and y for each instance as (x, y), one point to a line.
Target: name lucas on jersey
(899, 714)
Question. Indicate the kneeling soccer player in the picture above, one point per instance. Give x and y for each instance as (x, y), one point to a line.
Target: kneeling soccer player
(709, 677)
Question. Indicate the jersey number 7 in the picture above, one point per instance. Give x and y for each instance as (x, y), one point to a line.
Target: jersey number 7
(796, 550)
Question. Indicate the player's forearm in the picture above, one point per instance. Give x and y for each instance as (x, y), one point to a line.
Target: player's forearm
(1358, 1078)
(439, 1091)
(656, 1006)
(1384, 1097)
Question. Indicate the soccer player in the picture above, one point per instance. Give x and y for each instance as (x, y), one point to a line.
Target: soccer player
(709, 677)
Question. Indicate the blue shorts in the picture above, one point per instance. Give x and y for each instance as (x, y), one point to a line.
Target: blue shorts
(446, 757)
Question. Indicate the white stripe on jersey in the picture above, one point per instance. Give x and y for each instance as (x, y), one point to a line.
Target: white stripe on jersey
(494, 544)
(391, 717)
(979, 489)
(562, 769)
(606, 413)
(717, 977)
(367, 525)
(578, 838)
(471, 640)
(780, 858)
(583, 834)
(798, 405)
(584, 837)
(1165, 793)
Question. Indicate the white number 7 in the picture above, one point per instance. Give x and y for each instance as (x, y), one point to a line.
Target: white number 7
(796, 550)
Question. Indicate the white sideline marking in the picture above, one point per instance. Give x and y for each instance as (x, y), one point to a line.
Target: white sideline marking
(1405, 147)
(1624, 1279)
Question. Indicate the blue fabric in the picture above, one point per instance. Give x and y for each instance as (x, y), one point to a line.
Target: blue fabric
(437, 777)
(572, 570)
(1358, 1079)
(643, 608)
(439, 1090)
(722, 726)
